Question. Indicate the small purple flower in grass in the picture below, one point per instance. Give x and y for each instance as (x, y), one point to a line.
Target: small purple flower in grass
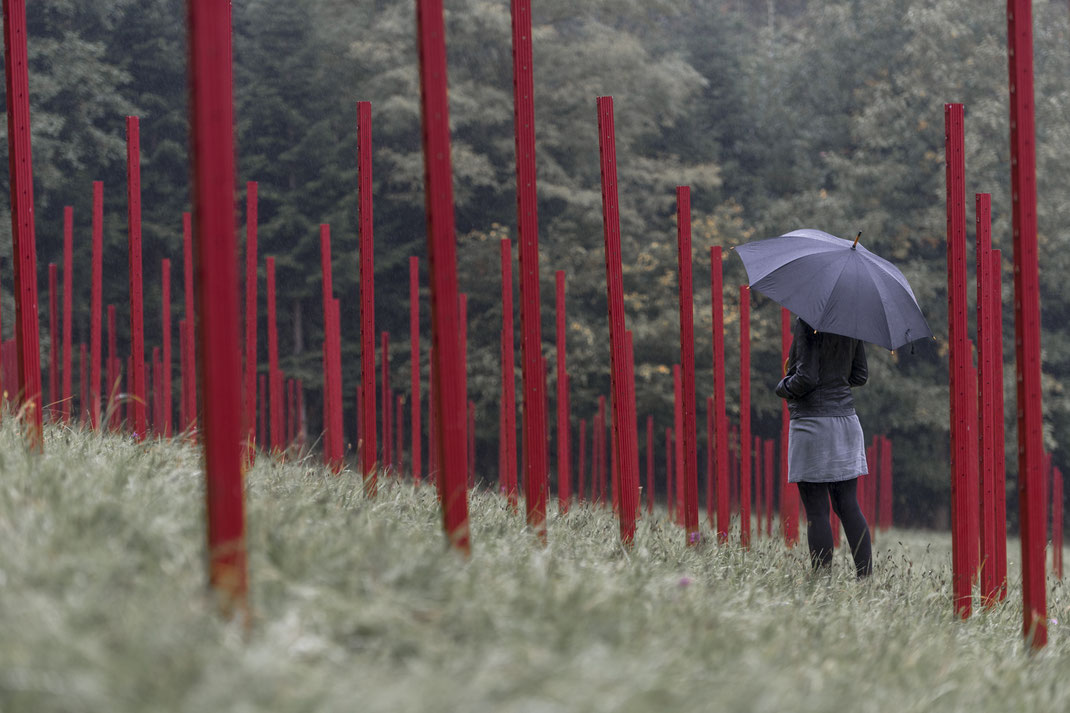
(684, 582)
(694, 538)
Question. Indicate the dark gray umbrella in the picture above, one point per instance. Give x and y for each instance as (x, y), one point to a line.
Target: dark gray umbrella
(836, 286)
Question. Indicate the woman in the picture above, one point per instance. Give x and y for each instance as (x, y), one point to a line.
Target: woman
(826, 448)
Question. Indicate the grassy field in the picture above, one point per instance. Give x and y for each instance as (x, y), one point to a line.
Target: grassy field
(359, 606)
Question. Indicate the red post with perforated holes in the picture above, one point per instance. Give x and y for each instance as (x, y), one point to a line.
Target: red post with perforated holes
(686, 303)
(720, 419)
(24, 252)
(137, 311)
(212, 128)
(442, 251)
(624, 422)
(986, 356)
(1027, 320)
(999, 486)
(96, 302)
(534, 402)
(959, 357)
(369, 447)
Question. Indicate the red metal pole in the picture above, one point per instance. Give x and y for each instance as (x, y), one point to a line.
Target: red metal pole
(999, 485)
(508, 373)
(744, 415)
(251, 262)
(24, 251)
(190, 385)
(534, 423)
(720, 419)
(369, 447)
(165, 306)
(137, 319)
(415, 455)
(53, 344)
(649, 461)
(96, 303)
(624, 422)
(633, 437)
(68, 279)
(789, 498)
(758, 483)
(959, 359)
(331, 344)
(337, 427)
(973, 528)
(212, 128)
(1027, 319)
(442, 250)
(564, 486)
(274, 397)
(689, 445)
(399, 430)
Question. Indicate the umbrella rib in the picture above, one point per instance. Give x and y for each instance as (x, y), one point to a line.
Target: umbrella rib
(886, 323)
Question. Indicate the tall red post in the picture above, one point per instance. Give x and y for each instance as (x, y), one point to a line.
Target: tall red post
(999, 486)
(986, 356)
(332, 346)
(789, 492)
(212, 128)
(399, 431)
(96, 303)
(415, 455)
(534, 423)
(564, 485)
(251, 262)
(137, 318)
(744, 415)
(689, 445)
(369, 447)
(678, 446)
(649, 461)
(959, 357)
(24, 251)
(189, 385)
(973, 479)
(633, 439)
(720, 418)
(759, 484)
(442, 250)
(68, 280)
(274, 397)
(624, 421)
(53, 342)
(508, 375)
(165, 320)
(1027, 319)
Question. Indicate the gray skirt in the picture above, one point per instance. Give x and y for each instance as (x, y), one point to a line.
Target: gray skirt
(825, 449)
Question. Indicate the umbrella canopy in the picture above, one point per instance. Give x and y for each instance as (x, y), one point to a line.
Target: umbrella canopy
(836, 286)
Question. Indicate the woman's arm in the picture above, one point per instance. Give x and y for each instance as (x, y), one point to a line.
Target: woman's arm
(859, 367)
(803, 375)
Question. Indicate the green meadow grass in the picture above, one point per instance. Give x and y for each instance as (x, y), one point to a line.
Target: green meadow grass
(359, 606)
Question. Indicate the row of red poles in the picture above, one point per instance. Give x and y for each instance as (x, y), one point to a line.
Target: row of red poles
(209, 342)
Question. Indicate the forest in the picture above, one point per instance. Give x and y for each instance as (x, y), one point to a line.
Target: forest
(779, 114)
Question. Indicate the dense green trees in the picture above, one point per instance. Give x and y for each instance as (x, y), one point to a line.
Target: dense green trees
(778, 114)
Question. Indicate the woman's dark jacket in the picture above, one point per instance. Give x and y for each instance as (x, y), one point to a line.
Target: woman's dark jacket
(822, 368)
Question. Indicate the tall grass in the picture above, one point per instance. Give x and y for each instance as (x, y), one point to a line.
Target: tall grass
(359, 606)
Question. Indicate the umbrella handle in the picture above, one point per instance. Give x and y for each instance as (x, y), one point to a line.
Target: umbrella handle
(856, 240)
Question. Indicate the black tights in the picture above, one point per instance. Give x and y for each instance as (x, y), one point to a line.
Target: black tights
(815, 498)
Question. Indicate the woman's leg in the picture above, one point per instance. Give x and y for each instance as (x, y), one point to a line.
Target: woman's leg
(815, 499)
(845, 504)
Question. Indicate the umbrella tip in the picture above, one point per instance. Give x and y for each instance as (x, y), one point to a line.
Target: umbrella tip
(856, 240)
